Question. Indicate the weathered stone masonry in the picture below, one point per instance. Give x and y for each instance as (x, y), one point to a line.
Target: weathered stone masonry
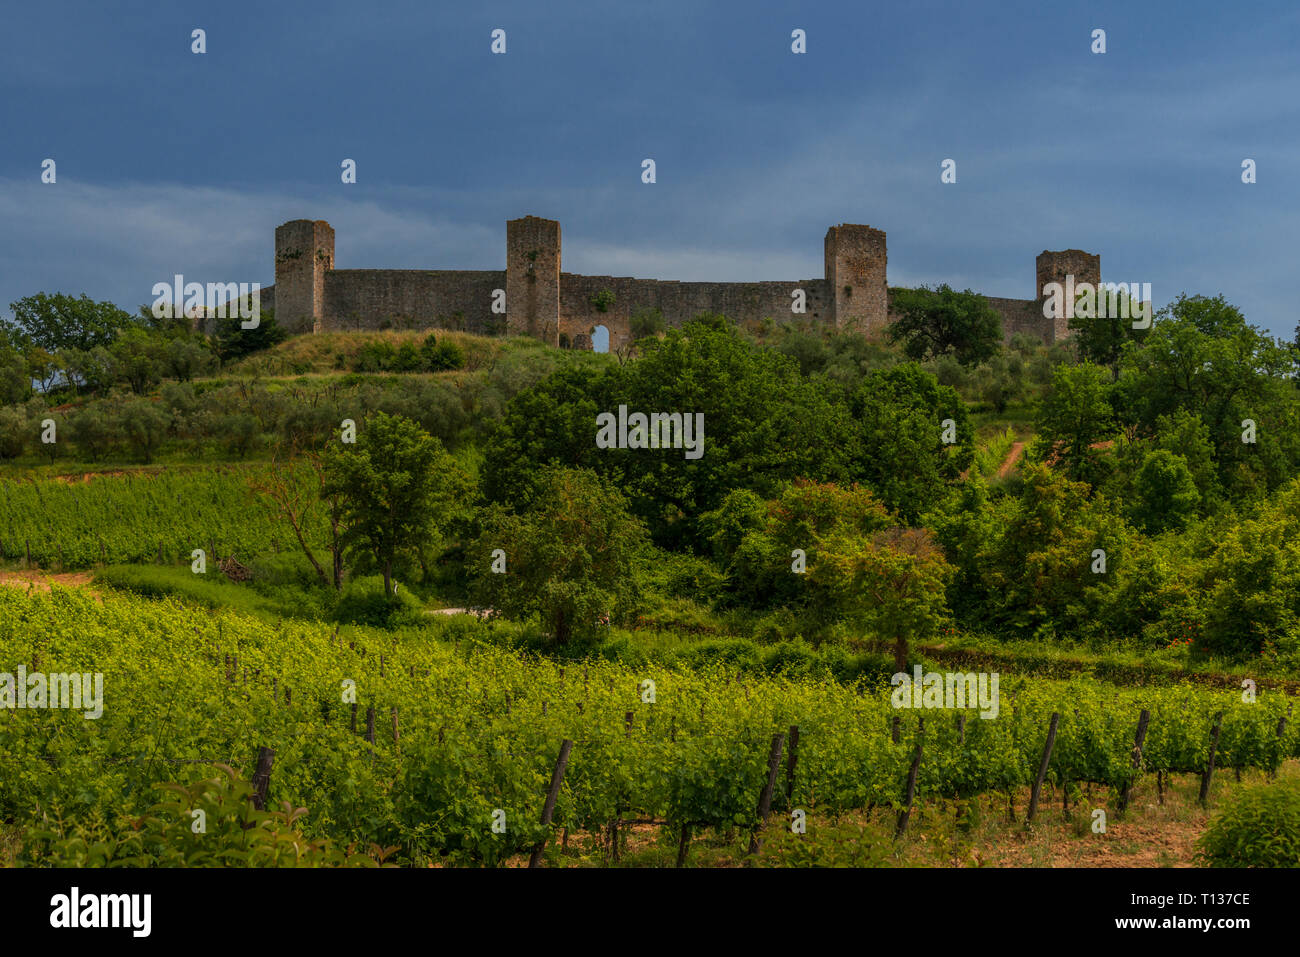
(310, 295)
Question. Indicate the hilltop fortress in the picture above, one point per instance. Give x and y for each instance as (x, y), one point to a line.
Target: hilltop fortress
(531, 296)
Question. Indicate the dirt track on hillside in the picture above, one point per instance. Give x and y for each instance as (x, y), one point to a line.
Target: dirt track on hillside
(44, 581)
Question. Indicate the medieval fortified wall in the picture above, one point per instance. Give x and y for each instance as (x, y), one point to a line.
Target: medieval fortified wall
(565, 308)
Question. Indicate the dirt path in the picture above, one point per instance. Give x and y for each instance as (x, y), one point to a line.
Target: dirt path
(1013, 456)
(42, 580)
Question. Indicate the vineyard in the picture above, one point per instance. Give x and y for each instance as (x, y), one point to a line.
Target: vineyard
(137, 518)
(448, 732)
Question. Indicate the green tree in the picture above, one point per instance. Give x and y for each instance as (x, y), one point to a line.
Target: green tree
(44, 367)
(893, 582)
(233, 341)
(94, 370)
(391, 487)
(60, 321)
(15, 432)
(93, 432)
(1165, 493)
(900, 413)
(1042, 573)
(1102, 324)
(185, 358)
(143, 425)
(139, 359)
(1074, 415)
(572, 556)
(1202, 357)
(764, 425)
(936, 322)
(440, 356)
(1253, 583)
(755, 540)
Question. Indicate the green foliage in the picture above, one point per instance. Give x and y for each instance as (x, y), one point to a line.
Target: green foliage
(94, 370)
(59, 321)
(1260, 827)
(119, 519)
(17, 431)
(1202, 358)
(234, 342)
(365, 601)
(143, 425)
(474, 736)
(441, 356)
(185, 358)
(1026, 564)
(764, 425)
(375, 356)
(1001, 380)
(1102, 324)
(935, 322)
(93, 432)
(755, 540)
(138, 358)
(601, 301)
(900, 414)
(1253, 580)
(393, 488)
(1166, 496)
(572, 557)
(1074, 415)
(646, 322)
(207, 823)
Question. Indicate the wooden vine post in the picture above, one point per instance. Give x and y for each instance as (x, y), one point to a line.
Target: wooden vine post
(1209, 767)
(1042, 766)
(765, 799)
(1143, 719)
(906, 812)
(557, 778)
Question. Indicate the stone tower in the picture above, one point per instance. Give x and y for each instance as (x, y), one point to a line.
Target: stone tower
(533, 278)
(1057, 267)
(856, 292)
(304, 253)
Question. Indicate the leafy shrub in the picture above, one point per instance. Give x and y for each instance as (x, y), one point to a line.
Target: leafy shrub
(363, 602)
(14, 433)
(234, 834)
(407, 359)
(374, 357)
(736, 652)
(441, 356)
(1260, 827)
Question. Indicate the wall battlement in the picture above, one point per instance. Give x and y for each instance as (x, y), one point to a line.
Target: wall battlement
(561, 308)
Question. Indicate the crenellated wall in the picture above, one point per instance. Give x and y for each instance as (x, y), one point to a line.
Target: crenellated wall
(542, 301)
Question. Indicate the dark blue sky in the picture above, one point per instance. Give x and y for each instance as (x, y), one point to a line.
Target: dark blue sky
(172, 162)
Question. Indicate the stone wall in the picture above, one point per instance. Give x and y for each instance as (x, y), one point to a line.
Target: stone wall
(678, 302)
(541, 301)
(412, 299)
(1023, 315)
